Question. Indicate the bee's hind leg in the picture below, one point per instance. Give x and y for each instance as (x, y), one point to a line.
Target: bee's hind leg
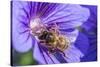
(61, 52)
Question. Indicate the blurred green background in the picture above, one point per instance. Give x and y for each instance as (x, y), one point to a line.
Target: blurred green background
(20, 59)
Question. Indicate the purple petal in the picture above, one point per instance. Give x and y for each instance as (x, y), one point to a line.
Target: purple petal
(68, 16)
(73, 54)
(82, 42)
(38, 55)
(72, 36)
(22, 41)
(42, 57)
(47, 9)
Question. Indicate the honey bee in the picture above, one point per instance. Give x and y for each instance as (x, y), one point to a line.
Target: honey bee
(52, 39)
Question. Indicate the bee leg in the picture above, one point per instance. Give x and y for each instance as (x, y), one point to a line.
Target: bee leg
(51, 51)
(43, 42)
(62, 53)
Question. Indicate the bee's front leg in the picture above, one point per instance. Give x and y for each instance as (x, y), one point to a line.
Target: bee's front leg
(42, 42)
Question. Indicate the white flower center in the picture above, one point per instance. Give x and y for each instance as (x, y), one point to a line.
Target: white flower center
(36, 26)
(34, 23)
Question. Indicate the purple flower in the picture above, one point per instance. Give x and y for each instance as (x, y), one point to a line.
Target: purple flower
(28, 18)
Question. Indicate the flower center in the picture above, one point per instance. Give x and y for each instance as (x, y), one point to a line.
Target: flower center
(36, 26)
(49, 36)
